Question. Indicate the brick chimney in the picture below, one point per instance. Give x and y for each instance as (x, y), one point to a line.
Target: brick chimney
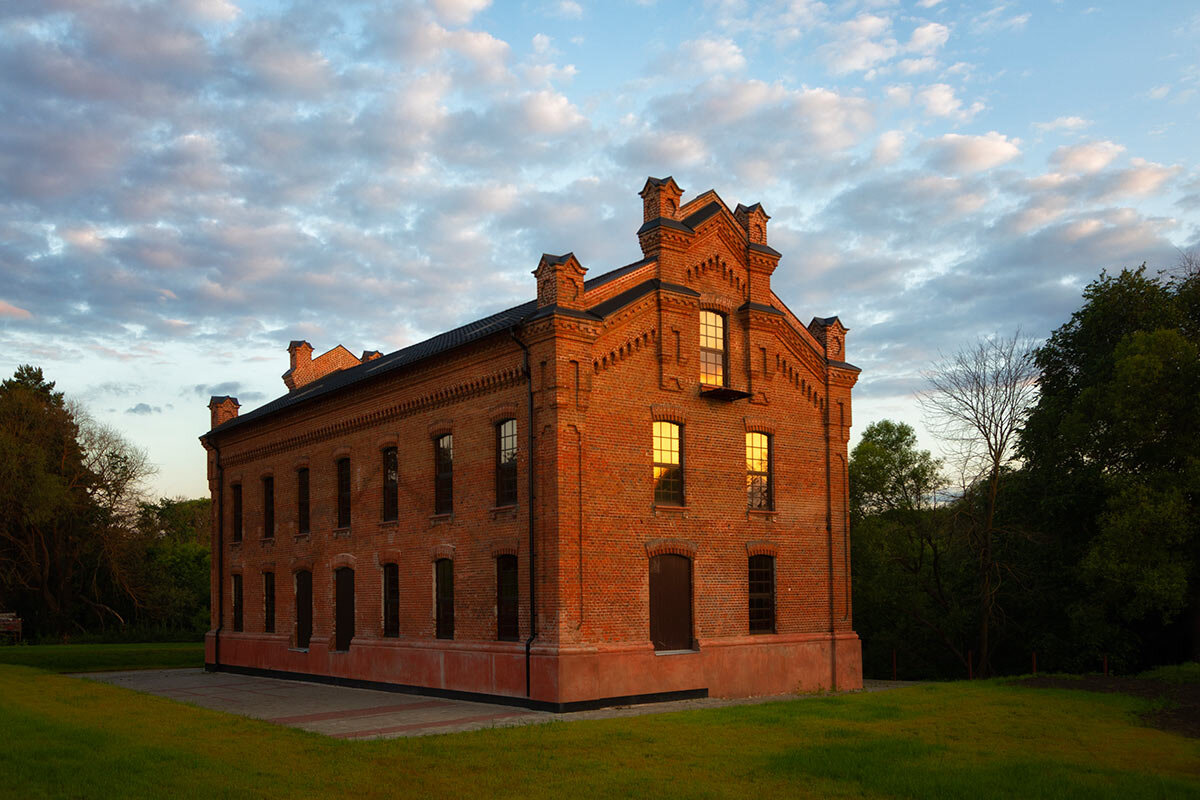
(222, 409)
(754, 220)
(831, 333)
(560, 281)
(660, 198)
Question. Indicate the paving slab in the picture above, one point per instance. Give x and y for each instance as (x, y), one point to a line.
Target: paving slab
(348, 713)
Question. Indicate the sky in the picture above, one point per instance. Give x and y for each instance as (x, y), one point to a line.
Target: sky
(187, 185)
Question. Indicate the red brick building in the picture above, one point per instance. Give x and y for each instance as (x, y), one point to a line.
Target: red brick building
(632, 486)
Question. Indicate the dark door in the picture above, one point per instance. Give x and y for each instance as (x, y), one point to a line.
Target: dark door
(344, 600)
(445, 598)
(507, 619)
(303, 608)
(671, 602)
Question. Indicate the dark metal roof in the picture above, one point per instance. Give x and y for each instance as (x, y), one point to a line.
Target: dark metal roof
(471, 332)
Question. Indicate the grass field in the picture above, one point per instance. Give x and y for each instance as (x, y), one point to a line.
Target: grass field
(66, 737)
(105, 657)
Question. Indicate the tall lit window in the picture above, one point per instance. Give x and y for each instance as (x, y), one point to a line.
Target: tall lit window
(391, 485)
(712, 348)
(668, 464)
(237, 511)
(762, 594)
(443, 483)
(268, 486)
(506, 463)
(343, 493)
(759, 491)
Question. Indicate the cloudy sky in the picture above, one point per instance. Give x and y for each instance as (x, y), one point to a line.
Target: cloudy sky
(187, 185)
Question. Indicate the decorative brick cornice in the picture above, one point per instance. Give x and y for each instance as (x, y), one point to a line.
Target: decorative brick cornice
(762, 547)
(717, 267)
(678, 547)
(440, 551)
(302, 563)
(497, 414)
(494, 382)
(388, 555)
(440, 427)
(390, 440)
(628, 348)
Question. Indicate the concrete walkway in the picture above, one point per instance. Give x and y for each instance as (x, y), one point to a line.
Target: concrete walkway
(347, 713)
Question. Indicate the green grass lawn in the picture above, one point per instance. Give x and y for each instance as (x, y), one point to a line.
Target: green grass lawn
(104, 657)
(67, 737)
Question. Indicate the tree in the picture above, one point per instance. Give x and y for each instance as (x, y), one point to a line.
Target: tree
(976, 402)
(66, 486)
(909, 574)
(1114, 444)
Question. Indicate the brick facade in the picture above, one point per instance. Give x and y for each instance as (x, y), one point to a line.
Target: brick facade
(595, 363)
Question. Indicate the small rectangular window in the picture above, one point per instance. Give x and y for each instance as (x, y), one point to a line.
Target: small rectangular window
(269, 602)
(506, 463)
(668, 464)
(759, 489)
(762, 594)
(507, 611)
(237, 603)
(443, 489)
(343, 493)
(391, 600)
(391, 485)
(302, 524)
(237, 511)
(268, 486)
(444, 597)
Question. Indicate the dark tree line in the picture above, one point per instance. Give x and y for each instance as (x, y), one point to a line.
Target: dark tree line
(1070, 529)
(81, 550)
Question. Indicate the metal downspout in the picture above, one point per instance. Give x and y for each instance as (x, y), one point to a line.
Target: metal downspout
(532, 547)
(829, 539)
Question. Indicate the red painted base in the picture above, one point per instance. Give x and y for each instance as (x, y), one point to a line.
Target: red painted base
(735, 667)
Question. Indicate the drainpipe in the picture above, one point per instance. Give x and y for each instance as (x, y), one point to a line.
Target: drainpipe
(220, 558)
(532, 547)
(829, 538)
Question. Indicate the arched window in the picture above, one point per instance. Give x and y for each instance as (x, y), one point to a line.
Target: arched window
(444, 597)
(712, 348)
(668, 464)
(237, 602)
(507, 592)
(762, 594)
(343, 581)
(268, 602)
(391, 485)
(506, 463)
(443, 480)
(391, 600)
(671, 602)
(303, 608)
(760, 495)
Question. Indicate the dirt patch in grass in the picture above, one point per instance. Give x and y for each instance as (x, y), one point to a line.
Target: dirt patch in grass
(1178, 708)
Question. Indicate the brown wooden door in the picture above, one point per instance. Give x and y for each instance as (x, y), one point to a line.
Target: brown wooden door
(303, 608)
(344, 612)
(671, 602)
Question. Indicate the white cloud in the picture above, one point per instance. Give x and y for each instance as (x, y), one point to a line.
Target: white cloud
(956, 153)
(1063, 123)
(998, 18)
(914, 66)
(568, 9)
(459, 12)
(940, 100)
(889, 148)
(927, 3)
(1086, 158)
(712, 55)
(860, 44)
(1142, 179)
(928, 38)
(1159, 92)
(548, 112)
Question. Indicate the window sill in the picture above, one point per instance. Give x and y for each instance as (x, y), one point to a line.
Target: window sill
(665, 509)
(302, 536)
(762, 513)
(676, 652)
(235, 543)
(389, 523)
(438, 519)
(341, 533)
(267, 541)
(504, 512)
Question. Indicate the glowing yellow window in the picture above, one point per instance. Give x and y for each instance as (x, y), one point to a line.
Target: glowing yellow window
(712, 348)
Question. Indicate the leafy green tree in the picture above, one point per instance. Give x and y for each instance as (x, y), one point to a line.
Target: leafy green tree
(1113, 447)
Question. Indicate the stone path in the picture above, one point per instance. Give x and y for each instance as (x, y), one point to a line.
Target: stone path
(347, 713)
